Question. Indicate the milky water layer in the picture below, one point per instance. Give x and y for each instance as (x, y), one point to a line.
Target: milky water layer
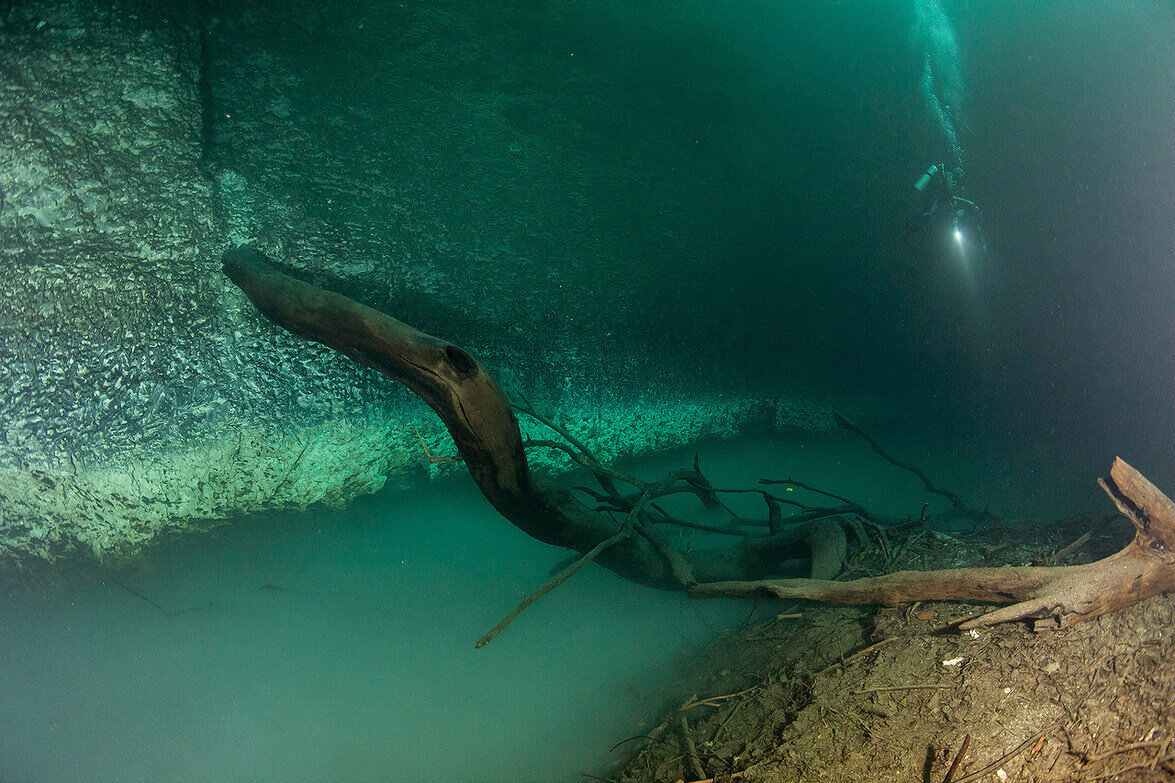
(338, 645)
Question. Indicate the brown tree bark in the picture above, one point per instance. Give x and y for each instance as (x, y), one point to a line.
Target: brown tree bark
(1145, 567)
(485, 431)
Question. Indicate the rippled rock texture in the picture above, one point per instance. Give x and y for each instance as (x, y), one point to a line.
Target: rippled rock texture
(452, 163)
(138, 392)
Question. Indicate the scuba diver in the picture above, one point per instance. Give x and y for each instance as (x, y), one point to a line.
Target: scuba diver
(945, 213)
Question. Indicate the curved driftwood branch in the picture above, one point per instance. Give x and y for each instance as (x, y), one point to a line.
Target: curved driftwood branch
(1145, 567)
(959, 509)
(485, 430)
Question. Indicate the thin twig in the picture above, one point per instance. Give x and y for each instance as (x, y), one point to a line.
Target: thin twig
(432, 460)
(1011, 754)
(1102, 524)
(604, 475)
(691, 750)
(1124, 770)
(559, 579)
(855, 655)
(137, 594)
(1090, 759)
(624, 533)
(958, 759)
(163, 610)
(960, 508)
(293, 465)
(726, 720)
(598, 469)
(633, 738)
(724, 531)
(795, 483)
(904, 688)
(689, 704)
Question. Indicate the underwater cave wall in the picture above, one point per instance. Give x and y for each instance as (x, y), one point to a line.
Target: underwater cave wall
(140, 392)
(138, 140)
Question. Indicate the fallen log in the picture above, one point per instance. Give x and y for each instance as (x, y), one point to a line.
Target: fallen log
(1143, 568)
(485, 430)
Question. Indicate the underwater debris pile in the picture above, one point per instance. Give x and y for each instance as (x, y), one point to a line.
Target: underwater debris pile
(848, 694)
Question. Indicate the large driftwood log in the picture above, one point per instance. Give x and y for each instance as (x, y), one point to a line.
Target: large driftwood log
(485, 431)
(1145, 567)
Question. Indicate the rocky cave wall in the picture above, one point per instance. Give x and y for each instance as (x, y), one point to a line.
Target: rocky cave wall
(142, 394)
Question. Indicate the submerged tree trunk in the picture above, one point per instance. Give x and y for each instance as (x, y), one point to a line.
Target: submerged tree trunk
(485, 430)
(1145, 567)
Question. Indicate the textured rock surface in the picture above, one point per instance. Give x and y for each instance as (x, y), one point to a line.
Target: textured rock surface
(444, 180)
(141, 392)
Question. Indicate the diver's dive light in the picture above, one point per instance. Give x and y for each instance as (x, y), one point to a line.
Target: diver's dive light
(921, 184)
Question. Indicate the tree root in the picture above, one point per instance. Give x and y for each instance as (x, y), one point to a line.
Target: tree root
(959, 509)
(482, 423)
(1145, 567)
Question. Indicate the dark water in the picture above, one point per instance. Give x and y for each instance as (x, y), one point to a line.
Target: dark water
(721, 197)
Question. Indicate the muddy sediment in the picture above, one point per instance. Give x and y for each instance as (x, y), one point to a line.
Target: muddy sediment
(866, 694)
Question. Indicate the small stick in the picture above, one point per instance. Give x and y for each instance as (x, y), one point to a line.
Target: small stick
(960, 509)
(1062, 554)
(1139, 765)
(958, 758)
(649, 737)
(726, 720)
(691, 750)
(559, 579)
(1124, 749)
(714, 701)
(604, 474)
(428, 454)
(692, 701)
(855, 655)
(1010, 754)
(689, 703)
(794, 483)
(293, 465)
(137, 594)
(161, 608)
(733, 776)
(904, 688)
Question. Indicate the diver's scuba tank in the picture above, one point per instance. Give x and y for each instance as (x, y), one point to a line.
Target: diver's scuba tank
(921, 184)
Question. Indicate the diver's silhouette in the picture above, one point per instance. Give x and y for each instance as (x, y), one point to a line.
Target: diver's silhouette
(945, 214)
